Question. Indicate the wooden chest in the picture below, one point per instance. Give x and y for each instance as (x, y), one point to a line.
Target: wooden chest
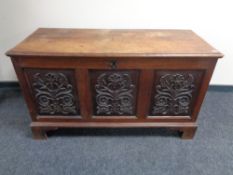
(113, 78)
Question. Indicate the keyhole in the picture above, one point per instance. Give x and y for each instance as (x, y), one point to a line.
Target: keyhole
(113, 64)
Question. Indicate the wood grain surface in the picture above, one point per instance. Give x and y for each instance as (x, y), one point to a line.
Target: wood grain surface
(117, 42)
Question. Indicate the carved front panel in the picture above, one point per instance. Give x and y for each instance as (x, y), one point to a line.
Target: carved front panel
(114, 92)
(175, 92)
(54, 91)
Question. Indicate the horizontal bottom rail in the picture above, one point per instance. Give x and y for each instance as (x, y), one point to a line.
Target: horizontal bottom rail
(112, 124)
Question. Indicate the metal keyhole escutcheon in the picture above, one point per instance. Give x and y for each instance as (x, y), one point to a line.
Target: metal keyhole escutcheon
(113, 64)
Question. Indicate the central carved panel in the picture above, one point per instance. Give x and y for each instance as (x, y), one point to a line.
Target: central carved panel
(115, 92)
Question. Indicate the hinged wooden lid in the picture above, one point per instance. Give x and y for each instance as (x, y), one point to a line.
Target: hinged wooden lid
(114, 43)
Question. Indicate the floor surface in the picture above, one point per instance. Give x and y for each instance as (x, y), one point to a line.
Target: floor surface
(117, 151)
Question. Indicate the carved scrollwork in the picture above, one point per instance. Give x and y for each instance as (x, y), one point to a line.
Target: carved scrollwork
(173, 94)
(114, 94)
(54, 94)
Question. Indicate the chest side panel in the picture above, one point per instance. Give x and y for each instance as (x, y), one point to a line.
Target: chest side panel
(174, 92)
(53, 91)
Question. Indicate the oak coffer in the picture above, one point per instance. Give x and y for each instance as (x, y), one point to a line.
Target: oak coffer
(113, 78)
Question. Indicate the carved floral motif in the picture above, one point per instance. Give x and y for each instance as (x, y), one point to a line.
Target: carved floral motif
(54, 94)
(173, 94)
(114, 94)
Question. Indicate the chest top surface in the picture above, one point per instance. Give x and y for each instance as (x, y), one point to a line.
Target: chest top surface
(116, 42)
